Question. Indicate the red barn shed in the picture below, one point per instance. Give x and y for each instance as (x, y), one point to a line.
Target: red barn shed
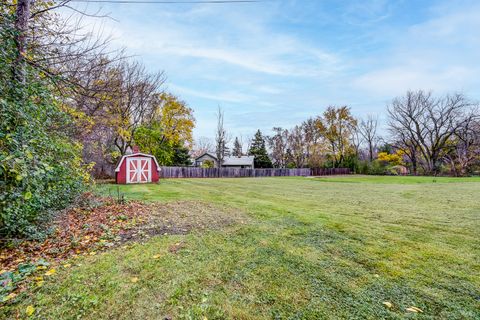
(137, 168)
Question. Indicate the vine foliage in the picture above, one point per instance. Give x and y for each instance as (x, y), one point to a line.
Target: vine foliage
(41, 169)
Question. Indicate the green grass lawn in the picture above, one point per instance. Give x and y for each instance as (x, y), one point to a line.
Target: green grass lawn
(312, 248)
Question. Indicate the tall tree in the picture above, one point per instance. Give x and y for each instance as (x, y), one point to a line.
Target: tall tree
(278, 144)
(368, 130)
(237, 148)
(167, 130)
(22, 17)
(401, 141)
(134, 101)
(259, 151)
(221, 139)
(175, 117)
(314, 143)
(465, 153)
(336, 127)
(429, 123)
(297, 146)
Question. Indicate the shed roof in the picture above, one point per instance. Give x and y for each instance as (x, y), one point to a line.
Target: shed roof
(138, 154)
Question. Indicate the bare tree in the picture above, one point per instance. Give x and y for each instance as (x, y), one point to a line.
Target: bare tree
(356, 140)
(57, 45)
(428, 123)
(368, 130)
(247, 141)
(133, 101)
(402, 141)
(313, 139)
(278, 144)
(204, 144)
(466, 150)
(221, 138)
(297, 146)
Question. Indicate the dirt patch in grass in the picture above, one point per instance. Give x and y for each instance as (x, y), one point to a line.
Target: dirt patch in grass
(182, 217)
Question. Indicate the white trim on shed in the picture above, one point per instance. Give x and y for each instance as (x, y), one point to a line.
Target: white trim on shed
(117, 169)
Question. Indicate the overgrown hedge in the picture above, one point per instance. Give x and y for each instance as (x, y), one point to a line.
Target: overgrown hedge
(40, 166)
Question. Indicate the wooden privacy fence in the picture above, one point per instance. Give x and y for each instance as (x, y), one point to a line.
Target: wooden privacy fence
(193, 172)
(329, 171)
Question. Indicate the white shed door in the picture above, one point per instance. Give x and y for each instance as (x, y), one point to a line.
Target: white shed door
(139, 170)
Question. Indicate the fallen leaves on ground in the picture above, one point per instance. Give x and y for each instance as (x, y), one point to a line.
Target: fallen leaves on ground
(102, 223)
(414, 309)
(50, 272)
(29, 311)
(78, 231)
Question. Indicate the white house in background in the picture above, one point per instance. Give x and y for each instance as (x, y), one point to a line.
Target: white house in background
(206, 156)
(243, 162)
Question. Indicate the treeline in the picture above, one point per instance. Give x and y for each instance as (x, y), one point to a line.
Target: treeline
(70, 106)
(127, 106)
(427, 135)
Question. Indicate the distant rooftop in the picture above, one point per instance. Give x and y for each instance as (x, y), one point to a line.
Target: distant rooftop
(238, 161)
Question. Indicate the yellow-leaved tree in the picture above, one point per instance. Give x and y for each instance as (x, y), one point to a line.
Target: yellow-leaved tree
(167, 133)
(336, 127)
(394, 159)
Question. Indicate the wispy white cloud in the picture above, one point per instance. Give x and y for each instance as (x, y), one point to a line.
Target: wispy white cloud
(366, 13)
(395, 81)
(252, 46)
(224, 96)
(440, 53)
(276, 63)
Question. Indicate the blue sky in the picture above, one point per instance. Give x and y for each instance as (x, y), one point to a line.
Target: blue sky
(279, 62)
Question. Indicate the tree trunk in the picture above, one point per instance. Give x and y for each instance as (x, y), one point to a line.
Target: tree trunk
(21, 28)
(414, 166)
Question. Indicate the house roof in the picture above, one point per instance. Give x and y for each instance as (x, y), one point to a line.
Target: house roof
(232, 161)
(206, 153)
(117, 169)
(238, 161)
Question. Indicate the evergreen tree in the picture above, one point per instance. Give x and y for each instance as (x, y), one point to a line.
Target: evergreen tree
(259, 151)
(237, 148)
(181, 156)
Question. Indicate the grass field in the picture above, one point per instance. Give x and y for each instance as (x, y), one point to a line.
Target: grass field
(310, 248)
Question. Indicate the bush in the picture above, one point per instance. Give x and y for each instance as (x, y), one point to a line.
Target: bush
(40, 167)
(377, 168)
(373, 168)
(208, 164)
(41, 170)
